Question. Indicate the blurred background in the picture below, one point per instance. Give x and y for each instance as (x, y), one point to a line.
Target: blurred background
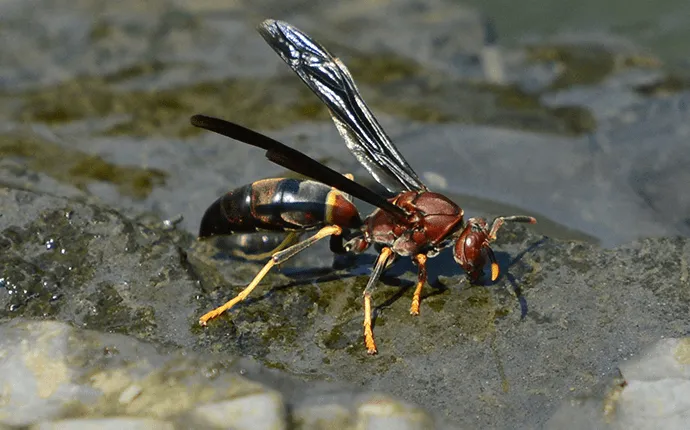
(661, 27)
(575, 112)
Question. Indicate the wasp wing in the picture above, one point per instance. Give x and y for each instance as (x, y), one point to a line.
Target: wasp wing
(296, 161)
(329, 79)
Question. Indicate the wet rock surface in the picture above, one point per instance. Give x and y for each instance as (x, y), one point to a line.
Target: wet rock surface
(477, 355)
(587, 134)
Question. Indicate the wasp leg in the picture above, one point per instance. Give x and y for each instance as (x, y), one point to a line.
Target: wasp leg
(381, 262)
(421, 280)
(277, 258)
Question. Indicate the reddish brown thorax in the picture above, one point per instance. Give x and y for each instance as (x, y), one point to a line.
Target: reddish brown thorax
(432, 219)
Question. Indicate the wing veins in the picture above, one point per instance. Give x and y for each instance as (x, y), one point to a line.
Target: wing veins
(332, 82)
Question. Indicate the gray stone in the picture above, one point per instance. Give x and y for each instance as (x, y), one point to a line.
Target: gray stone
(38, 384)
(264, 411)
(105, 424)
(323, 417)
(50, 370)
(657, 391)
(379, 412)
(53, 373)
(651, 393)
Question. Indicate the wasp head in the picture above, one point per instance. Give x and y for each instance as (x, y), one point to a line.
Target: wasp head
(472, 249)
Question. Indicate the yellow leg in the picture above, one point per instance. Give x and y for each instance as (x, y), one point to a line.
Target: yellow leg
(368, 333)
(381, 261)
(278, 257)
(421, 280)
(241, 296)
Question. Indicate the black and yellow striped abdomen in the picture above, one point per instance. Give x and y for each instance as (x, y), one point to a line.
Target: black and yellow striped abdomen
(278, 205)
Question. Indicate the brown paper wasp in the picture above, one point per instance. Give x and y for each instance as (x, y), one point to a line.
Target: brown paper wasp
(415, 223)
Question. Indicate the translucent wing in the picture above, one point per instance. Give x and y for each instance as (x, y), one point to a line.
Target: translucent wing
(331, 81)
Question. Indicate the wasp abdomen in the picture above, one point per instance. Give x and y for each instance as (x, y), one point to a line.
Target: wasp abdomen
(278, 205)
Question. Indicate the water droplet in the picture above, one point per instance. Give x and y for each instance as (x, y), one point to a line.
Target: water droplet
(170, 223)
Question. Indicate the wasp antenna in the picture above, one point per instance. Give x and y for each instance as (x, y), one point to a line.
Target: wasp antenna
(499, 221)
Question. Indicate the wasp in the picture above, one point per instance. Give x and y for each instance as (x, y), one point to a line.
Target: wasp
(416, 222)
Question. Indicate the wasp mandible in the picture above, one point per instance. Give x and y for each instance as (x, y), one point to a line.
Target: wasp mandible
(415, 223)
